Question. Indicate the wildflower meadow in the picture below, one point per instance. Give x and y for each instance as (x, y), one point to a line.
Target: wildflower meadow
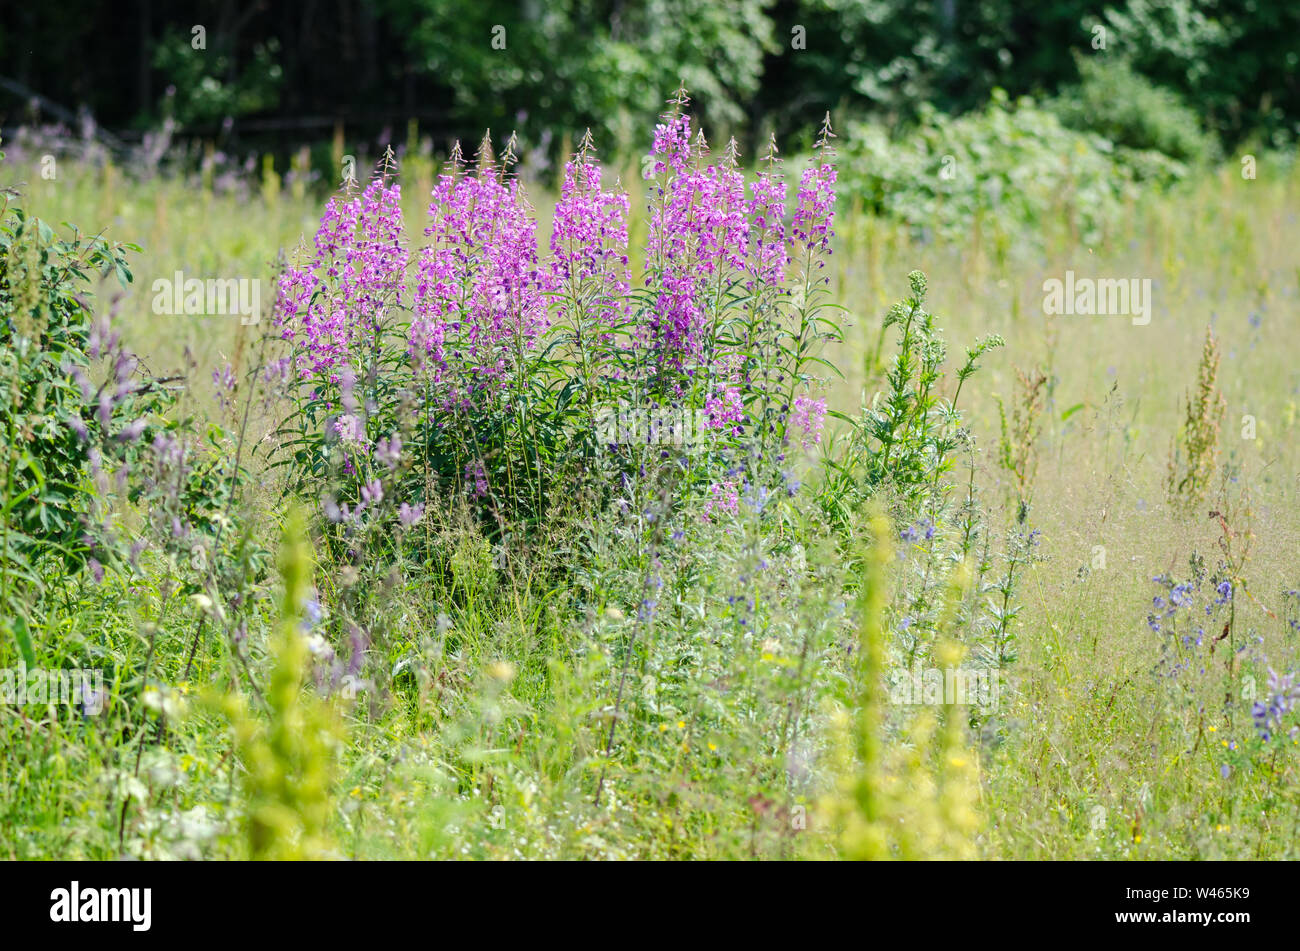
(668, 489)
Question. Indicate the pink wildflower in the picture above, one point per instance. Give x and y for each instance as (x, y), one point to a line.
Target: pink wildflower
(808, 415)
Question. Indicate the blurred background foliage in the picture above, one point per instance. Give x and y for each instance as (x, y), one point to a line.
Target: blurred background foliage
(1178, 76)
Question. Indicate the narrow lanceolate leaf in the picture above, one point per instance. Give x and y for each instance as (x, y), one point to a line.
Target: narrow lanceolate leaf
(18, 628)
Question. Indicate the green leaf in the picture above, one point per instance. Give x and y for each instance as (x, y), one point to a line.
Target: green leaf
(18, 625)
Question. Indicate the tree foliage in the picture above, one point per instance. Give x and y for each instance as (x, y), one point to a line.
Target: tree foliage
(755, 66)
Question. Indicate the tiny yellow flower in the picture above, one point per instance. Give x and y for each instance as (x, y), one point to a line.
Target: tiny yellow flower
(681, 724)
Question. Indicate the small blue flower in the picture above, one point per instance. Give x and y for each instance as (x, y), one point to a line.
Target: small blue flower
(311, 614)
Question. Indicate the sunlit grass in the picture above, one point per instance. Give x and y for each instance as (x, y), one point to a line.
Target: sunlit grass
(1090, 755)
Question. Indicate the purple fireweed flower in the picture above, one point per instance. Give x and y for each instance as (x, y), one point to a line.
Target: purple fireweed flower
(479, 294)
(767, 226)
(589, 259)
(96, 461)
(335, 304)
(476, 479)
(351, 431)
(723, 410)
(388, 452)
(814, 209)
(132, 431)
(102, 338)
(808, 416)
(83, 384)
(698, 241)
(672, 143)
(722, 497)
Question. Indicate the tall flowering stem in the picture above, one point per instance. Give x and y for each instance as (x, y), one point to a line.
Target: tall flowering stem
(334, 306)
(479, 293)
(674, 334)
(811, 233)
(589, 268)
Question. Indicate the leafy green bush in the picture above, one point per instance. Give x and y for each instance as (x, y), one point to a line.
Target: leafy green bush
(1234, 61)
(85, 427)
(207, 87)
(50, 423)
(1132, 111)
(1015, 161)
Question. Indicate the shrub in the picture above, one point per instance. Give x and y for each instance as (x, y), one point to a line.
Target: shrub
(102, 465)
(1132, 112)
(1013, 161)
(75, 407)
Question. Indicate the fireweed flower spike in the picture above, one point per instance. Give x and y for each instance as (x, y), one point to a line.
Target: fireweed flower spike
(479, 288)
(336, 304)
(808, 416)
(675, 329)
(767, 217)
(589, 258)
(811, 227)
(699, 232)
